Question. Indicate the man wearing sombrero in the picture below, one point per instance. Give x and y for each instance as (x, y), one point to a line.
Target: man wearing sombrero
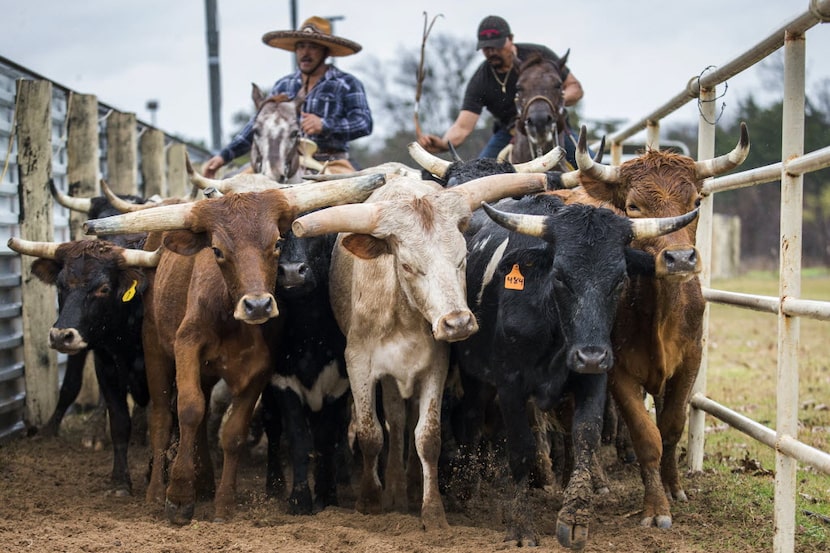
(335, 110)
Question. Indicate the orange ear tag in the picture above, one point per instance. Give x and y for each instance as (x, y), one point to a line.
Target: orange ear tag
(514, 279)
(130, 293)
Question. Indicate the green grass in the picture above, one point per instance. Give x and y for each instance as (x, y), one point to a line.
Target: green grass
(742, 375)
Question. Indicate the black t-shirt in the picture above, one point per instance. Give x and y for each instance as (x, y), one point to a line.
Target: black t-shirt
(484, 91)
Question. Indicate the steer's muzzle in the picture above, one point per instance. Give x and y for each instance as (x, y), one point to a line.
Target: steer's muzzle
(678, 263)
(591, 360)
(256, 308)
(66, 340)
(455, 326)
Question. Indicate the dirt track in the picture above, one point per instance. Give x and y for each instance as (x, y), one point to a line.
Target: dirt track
(53, 497)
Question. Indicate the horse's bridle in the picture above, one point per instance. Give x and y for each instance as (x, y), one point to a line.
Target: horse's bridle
(523, 116)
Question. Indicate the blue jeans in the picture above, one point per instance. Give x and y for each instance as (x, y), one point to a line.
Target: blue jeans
(502, 138)
(496, 144)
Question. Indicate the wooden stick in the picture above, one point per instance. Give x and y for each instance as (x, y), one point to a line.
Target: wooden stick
(421, 74)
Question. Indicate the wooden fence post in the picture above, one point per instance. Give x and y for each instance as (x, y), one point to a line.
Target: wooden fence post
(82, 151)
(34, 158)
(152, 163)
(122, 167)
(177, 180)
(82, 173)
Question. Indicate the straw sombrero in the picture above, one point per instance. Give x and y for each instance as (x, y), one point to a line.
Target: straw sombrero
(314, 29)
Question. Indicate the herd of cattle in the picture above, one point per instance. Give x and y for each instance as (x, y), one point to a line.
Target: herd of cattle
(343, 302)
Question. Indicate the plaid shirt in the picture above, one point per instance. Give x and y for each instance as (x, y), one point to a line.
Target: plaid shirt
(338, 99)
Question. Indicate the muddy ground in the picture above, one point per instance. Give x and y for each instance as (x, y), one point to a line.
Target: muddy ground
(53, 497)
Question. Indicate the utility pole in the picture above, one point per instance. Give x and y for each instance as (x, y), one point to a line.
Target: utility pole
(213, 72)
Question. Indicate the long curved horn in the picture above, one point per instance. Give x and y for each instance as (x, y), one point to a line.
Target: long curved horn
(605, 173)
(141, 258)
(322, 194)
(166, 217)
(46, 250)
(496, 187)
(722, 164)
(118, 203)
(658, 226)
(541, 164)
(242, 182)
(431, 163)
(359, 218)
(531, 225)
(570, 179)
(82, 205)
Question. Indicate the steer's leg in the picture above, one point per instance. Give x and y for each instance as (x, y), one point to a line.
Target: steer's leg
(181, 493)
(521, 448)
(428, 441)
(300, 445)
(70, 388)
(672, 419)
(577, 504)
(369, 433)
(113, 387)
(235, 432)
(160, 376)
(647, 444)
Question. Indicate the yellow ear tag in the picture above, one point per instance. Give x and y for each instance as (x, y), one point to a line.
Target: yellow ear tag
(514, 279)
(130, 293)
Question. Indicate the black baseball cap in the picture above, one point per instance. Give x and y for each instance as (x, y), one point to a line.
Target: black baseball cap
(492, 32)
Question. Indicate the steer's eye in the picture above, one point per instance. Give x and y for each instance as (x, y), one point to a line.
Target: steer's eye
(697, 201)
(218, 254)
(103, 290)
(407, 267)
(632, 210)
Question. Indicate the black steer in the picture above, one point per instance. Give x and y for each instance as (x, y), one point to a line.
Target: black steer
(545, 298)
(100, 288)
(308, 393)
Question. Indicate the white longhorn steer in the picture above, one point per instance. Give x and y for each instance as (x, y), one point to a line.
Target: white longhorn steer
(398, 293)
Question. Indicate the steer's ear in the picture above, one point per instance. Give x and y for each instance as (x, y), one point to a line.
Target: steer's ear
(46, 270)
(365, 246)
(131, 281)
(185, 242)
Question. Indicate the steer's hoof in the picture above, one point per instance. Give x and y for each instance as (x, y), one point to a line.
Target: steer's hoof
(121, 491)
(300, 502)
(179, 514)
(660, 521)
(522, 537)
(572, 537)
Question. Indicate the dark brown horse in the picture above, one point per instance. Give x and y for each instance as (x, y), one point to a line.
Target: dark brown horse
(541, 121)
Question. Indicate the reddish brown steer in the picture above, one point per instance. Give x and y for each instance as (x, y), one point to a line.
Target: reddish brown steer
(657, 334)
(211, 291)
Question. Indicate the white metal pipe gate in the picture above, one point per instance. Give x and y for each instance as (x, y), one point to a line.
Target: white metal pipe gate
(789, 306)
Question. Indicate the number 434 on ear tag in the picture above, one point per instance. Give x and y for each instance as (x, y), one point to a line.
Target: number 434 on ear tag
(514, 279)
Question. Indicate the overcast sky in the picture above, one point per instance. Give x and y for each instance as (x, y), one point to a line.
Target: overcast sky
(631, 56)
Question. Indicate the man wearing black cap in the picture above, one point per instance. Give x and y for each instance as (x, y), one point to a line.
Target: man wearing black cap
(493, 86)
